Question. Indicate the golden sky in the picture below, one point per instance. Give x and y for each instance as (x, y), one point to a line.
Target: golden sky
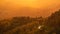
(28, 7)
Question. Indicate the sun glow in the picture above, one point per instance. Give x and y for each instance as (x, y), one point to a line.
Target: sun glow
(35, 7)
(33, 3)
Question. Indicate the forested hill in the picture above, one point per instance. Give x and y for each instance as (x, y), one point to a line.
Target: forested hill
(53, 23)
(20, 25)
(28, 25)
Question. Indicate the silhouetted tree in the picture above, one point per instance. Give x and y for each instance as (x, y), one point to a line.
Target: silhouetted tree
(53, 23)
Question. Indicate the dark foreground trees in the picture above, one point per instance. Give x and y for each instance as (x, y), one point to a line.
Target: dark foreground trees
(53, 23)
(28, 25)
(19, 25)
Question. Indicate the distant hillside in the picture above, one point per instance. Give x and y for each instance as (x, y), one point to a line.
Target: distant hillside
(29, 25)
(53, 23)
(20, 25)
(7, 12)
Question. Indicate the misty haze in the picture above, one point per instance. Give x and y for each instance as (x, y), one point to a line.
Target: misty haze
(29, 16)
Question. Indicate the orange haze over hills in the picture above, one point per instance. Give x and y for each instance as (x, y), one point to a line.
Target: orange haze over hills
(33, 8)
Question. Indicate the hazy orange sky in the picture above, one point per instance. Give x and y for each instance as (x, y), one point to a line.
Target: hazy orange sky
(32, 8)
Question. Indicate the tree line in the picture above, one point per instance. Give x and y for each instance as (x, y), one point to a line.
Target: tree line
(29, 25)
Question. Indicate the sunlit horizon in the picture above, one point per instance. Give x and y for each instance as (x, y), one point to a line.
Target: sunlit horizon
(31, 8)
